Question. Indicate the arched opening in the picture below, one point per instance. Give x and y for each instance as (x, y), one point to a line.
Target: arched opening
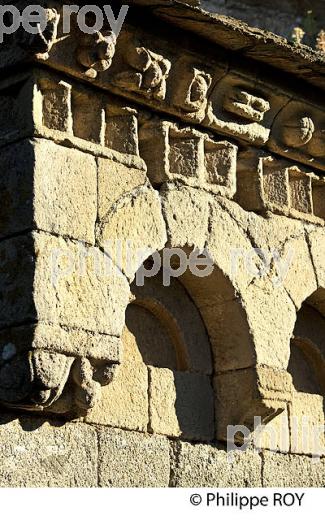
(194, 338)
(165, 327)
(307, 368)
(307, 349)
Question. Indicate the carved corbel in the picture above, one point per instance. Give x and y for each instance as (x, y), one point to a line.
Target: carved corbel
(266, 183)
(95, 52)
(149, 74)
(190, 90)
(35, 379)
(298, 132)
(173, 153)
(40, 44)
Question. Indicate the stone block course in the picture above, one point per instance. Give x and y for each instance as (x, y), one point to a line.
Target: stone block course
(210, 466)
(35, 453)
(281, 470)
(130, 459)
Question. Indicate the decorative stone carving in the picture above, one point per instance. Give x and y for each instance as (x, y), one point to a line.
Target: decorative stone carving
(42, 104)
(298, 131)
(235, 108)
(41, 43)
(149, 75)
(190, 90)
(174, 153)
(95, 52)
(248, 106)
(37, 380)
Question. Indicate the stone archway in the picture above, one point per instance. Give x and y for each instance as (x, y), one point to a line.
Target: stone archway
(238, 310)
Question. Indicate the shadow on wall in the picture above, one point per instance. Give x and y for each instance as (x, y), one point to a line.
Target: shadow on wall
(307, 360)
(167, 329)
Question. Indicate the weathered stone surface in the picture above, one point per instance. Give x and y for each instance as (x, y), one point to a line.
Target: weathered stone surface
(298, 266)
(181, 404)
(57, 209)
(124, 401)
(130, 459)
(307, 423)
(281, 470)
(316, 240)
(271, 316)
(275, 435)
(91, 296)
(186, 155)
(186, 211)
(115, 180)
(35, 453)
(51, 338)
(133, 229)
(210, 466)
(35, 190)
(236, 248)
(265, 393)
(60, 281)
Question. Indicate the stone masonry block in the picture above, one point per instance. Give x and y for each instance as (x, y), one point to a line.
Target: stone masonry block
(35, 453)
(181, 404)
(131, 459)
(316, 241)
(133, 229)
(51, 279)
(280, 470)
(275, 435)
(246, 396)
(44, 185)
(307, 424)
(53, 338)
(114, 181)
(211, 466)
(187, 216)
(124, 402)
(297, 265)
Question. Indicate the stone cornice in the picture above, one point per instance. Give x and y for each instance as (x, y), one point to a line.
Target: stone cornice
(207, 85)
(250, 42)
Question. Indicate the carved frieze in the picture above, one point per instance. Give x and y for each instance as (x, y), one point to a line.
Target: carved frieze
(299, 132)
(239, 108)
(95, 52)
(233, 101)
(147, 74)
(190, 88)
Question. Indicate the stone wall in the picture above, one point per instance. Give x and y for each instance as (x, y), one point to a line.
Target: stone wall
(80, 455)
(112, 153)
